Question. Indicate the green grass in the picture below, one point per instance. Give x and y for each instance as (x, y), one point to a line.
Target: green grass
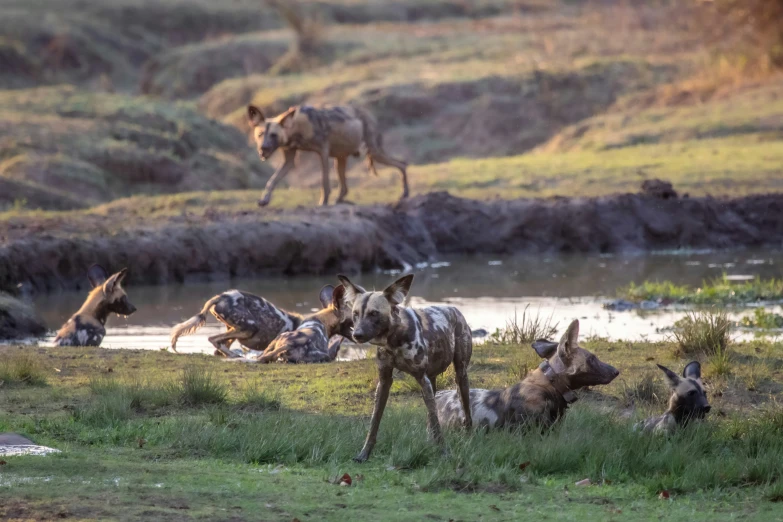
(281, 433)
(21, 368)
(762, 320)
(716, 291)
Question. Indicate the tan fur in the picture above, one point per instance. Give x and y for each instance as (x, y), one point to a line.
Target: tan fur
(331, 132)
(86, 326)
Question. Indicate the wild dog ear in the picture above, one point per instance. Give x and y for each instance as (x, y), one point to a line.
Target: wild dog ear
(113, 281)
(671, 378)
(96, 274)
(396, 292)
(570, 340)
(337, 297)
(352, 291)
(545, 349)
(287, 114)
(255, 115)
(692, 370)
(325, 296)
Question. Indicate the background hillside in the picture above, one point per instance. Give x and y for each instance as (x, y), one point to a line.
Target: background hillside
(103, 100)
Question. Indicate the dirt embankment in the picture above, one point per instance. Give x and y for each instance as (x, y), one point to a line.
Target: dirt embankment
(344, 238)
(18, 320)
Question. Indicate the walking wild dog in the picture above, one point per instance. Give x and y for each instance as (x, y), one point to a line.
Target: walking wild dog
(310, 343)
(249, 319)
(542, 396)
(330, 132)
(87, 326)
(688, 400)
(421, 342)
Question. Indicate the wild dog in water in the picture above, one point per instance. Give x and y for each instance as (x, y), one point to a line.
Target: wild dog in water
(542, 396)
(688, 400)
(249, 319)
(330, 132)
(87, 326)
(311, 342)
(421, 342)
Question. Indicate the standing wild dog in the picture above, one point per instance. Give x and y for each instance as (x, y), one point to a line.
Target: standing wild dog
(330, 132)
(542, 396)
(311, 342)
(421, 342)
(249, 319)
(87, 326)
(688, 400)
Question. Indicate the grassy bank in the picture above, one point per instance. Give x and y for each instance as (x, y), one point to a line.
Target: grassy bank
(169, 436)
(719, 291)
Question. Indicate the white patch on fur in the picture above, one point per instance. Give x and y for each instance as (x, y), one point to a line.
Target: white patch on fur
(482, 415)
(417, 340)
(438, 318)
(289, 325)
(82, 336)
(235, 295)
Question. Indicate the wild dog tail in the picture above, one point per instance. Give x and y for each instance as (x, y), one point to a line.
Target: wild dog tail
(194, 323)
(372, 137)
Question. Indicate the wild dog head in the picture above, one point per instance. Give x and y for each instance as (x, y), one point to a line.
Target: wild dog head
(269, 134)
(332, 300)
(688, 399)
(581, 367)
(374, 313)
(109, 290)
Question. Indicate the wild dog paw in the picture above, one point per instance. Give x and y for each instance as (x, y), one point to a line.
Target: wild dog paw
(361, 457)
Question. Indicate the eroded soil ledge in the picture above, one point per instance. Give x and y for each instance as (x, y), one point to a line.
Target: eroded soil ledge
(49, 253)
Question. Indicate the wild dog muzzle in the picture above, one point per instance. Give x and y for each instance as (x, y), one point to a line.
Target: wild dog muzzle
(551, 371)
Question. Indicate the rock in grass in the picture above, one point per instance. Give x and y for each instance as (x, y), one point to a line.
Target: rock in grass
(18, 320)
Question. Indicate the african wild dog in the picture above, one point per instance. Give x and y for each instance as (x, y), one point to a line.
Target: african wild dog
(688, 400)
(330, 132)
(311, 342)
(542, 396)
(421, 342)
(249, 319)
(87, 326)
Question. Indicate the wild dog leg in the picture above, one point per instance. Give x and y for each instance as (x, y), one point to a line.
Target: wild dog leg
(385, 380)
(221, 342)
(290, 155)
(385, 159)
(325, 188)
(340, 165)
(433, 426)
(463, 384)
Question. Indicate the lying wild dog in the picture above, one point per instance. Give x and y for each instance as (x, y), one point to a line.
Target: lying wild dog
(542, 396)
(330, 132)
(312, 341)
(87, 326)
(421, 342)
(688, 400)
(249, 319)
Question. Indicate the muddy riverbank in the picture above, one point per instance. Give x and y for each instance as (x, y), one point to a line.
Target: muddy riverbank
(48, 253)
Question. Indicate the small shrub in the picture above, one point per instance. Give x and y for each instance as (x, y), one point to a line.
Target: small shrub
(22, 368)
(524, 329)
(719, 363)
(200, 386)
(702, 333)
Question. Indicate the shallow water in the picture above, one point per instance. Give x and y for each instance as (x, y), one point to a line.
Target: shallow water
(489, 291)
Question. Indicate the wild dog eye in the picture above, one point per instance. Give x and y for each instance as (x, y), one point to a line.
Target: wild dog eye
(374, 313)
(691, 393)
